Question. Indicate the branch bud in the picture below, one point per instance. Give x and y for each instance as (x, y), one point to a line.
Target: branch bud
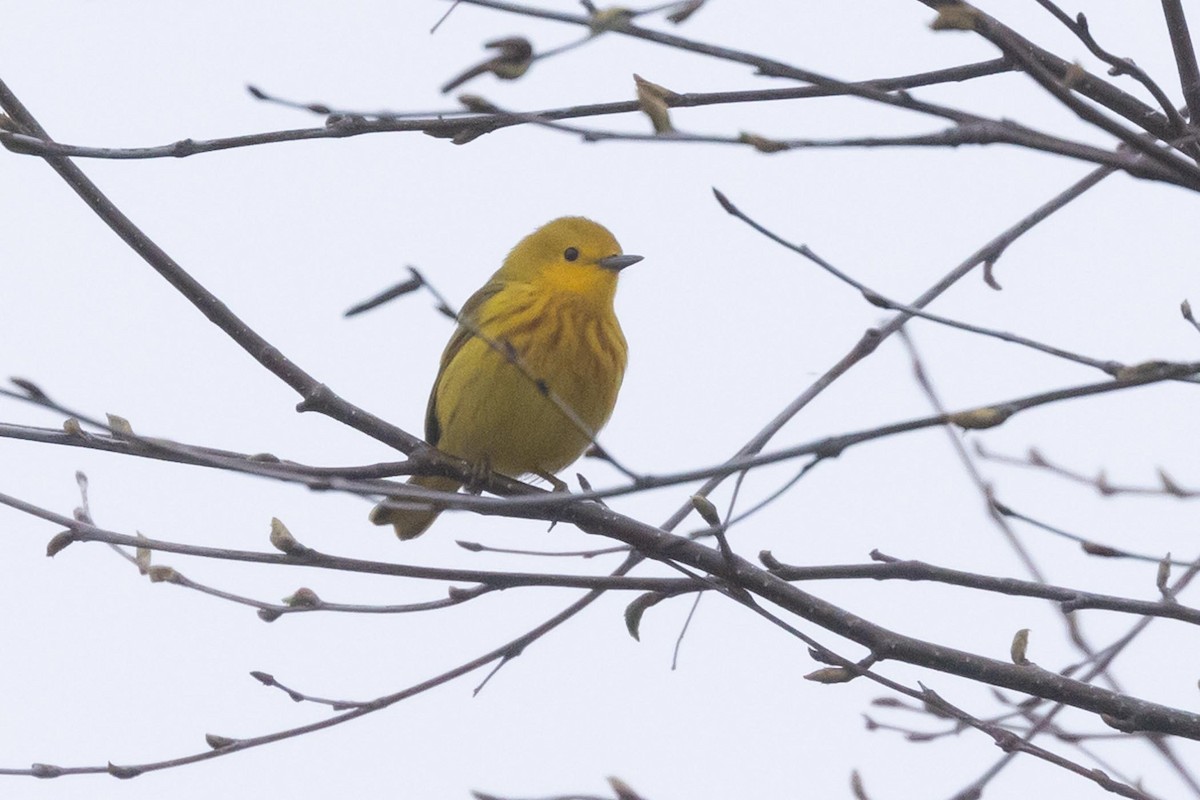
(1164, 574)
(142, 557)
(652, 100)
(1020, 644)
(1170, 486)
(1102, 550)
(831, 675)
(283, 541)
(980, 418)
(1143, 370)
(634, 611)
(162, 574)
(707, 511)
(302, 598)
(613, 18)
(1073, 75)
(59, 543)
(761, 143)
(622, 790)
(123, 773)
(217, 742)
(955, 17)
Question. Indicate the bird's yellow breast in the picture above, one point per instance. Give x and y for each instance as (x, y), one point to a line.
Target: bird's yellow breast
(489, 411)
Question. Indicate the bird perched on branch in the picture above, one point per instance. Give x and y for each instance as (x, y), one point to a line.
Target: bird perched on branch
(532, 371)
(512, 60)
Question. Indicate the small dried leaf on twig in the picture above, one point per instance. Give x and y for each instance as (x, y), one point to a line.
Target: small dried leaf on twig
(72, 427)
(160, 573)
(119, 425)
(1019, 648)
(635, 610)
(762, 144)
(955, 17)
(652, 100)
(142, 557)
(831, 675)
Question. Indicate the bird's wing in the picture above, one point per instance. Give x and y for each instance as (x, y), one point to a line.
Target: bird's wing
(468, 321)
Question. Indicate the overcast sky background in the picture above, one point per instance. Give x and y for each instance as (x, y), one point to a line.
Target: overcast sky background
(725, 328)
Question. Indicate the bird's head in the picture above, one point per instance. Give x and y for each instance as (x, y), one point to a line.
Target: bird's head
(569, 254)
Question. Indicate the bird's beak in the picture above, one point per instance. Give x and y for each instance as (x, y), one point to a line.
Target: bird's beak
(618, 263)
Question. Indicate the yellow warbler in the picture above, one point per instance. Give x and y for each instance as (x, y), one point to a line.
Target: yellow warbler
(533, 369)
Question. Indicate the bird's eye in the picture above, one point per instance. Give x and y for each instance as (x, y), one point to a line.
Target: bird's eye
(570, 254)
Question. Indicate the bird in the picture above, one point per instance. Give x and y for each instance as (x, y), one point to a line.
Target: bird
(515, 54)
(532, 371)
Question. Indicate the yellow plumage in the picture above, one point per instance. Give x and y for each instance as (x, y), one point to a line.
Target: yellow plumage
(539, 337)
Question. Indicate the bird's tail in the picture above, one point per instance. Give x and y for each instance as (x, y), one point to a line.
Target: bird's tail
(410, 523)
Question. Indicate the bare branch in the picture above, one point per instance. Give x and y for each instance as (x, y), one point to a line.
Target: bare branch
(1117, 65)
(892, 568)
(1185, 55)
